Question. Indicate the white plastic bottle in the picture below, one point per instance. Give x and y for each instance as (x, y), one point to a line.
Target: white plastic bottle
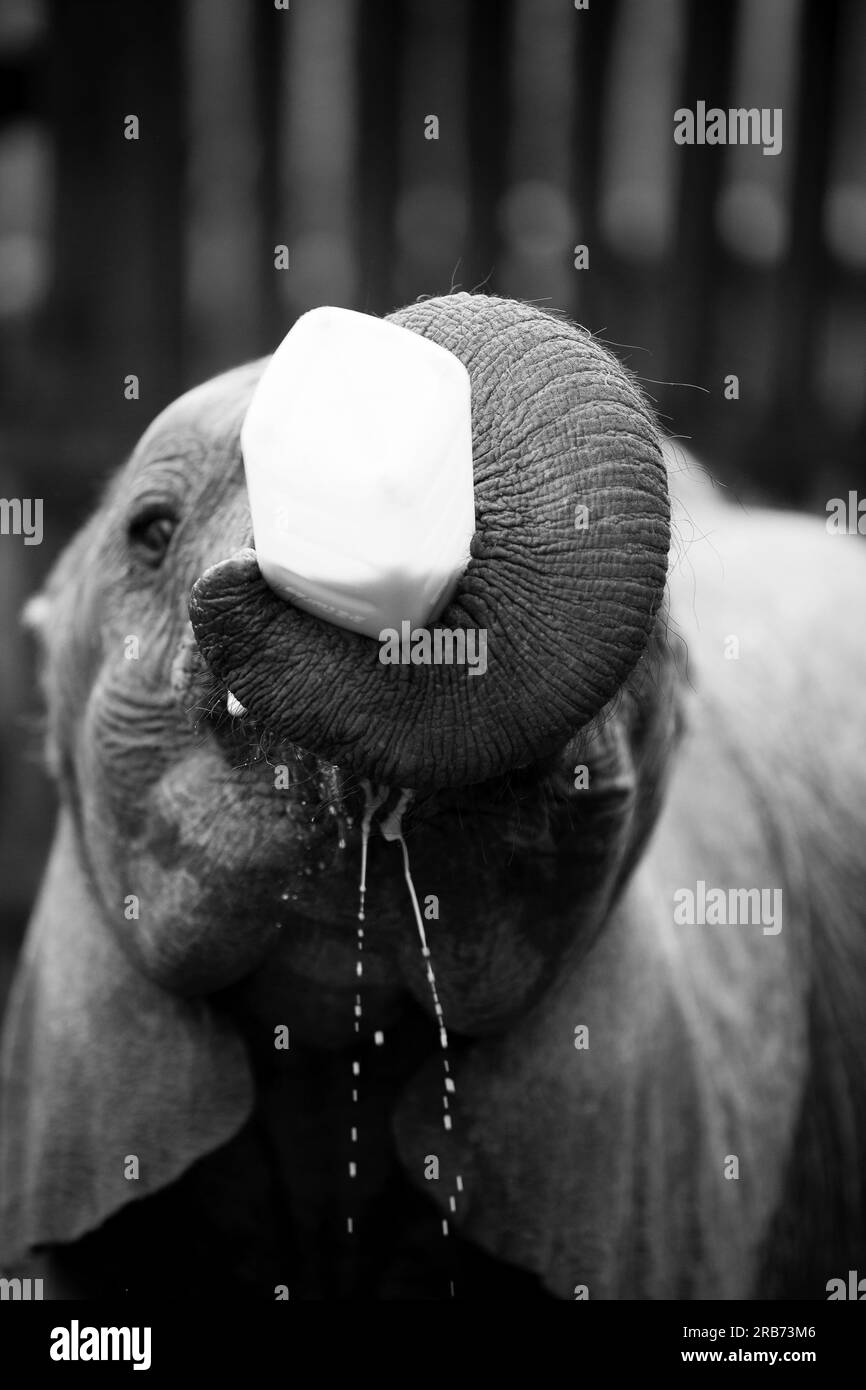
(357, 447)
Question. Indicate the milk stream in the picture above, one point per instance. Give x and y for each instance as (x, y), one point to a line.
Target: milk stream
(334, 793)
(392, 829)
(372, 802)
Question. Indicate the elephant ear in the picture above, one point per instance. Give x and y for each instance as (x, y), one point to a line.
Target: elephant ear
(109, 1086)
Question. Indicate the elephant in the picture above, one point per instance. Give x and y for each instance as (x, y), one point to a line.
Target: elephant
(600, 1031)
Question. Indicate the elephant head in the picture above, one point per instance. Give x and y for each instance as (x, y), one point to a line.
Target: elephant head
(209, 855)
(566, 577)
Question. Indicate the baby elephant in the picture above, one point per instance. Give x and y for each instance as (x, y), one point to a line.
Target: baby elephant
(597, 1026)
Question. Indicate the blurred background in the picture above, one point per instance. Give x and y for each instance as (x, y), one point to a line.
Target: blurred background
(305, 127)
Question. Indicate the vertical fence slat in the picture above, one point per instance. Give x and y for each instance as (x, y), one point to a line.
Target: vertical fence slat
(224, 239)
(594, 34)
(120, 203)
(806, 272)
(271, 37)
(489, 29)
(536, 218)
(433, 236)
(380, 57)
(695, 284)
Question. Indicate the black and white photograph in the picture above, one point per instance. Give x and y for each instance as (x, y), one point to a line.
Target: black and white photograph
(433, 676)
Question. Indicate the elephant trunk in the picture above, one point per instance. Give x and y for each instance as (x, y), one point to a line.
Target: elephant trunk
(566, 575)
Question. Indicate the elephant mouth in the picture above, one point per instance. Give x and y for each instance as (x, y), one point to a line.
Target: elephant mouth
(514, 808)
(455, 865)
(328, 821)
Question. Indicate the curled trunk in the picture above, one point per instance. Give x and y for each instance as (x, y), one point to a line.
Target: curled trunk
(566, 575)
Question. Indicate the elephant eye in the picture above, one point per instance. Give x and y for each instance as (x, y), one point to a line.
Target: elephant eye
(150, 534)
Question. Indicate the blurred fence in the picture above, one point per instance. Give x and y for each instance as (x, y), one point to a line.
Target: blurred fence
(305, 127)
